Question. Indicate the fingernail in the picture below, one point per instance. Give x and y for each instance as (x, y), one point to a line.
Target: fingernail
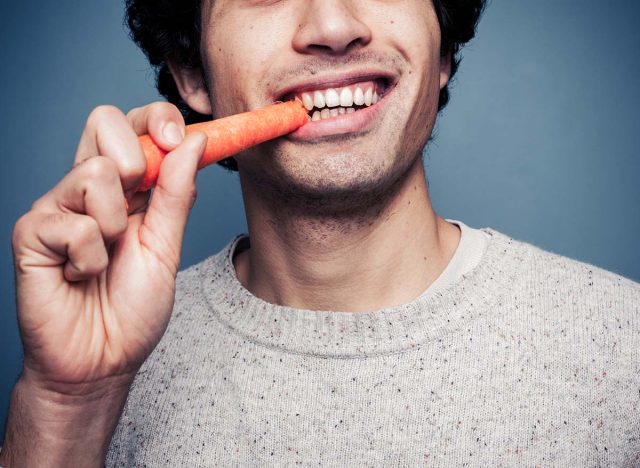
(172, 133)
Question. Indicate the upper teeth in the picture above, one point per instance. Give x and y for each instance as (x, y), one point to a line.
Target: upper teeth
(358, 94)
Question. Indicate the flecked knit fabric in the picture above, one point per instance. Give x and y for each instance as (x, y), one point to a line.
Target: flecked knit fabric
(530, 359)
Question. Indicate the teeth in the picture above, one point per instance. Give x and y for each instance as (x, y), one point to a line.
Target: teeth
(327, 113)
(362, 94)
(331, 98)
(358, 97)
(307, 100)
(331, 102)
(368, 97)
(318, 100)
(346, 98)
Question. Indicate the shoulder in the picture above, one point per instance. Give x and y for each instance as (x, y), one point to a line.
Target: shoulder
(571, 302)
(585, 281)
(544, 272)
(571, 307)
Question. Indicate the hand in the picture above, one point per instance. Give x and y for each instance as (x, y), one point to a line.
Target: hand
(95, 276)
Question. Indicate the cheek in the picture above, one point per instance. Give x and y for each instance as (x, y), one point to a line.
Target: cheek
(226, 74)
(240, 50)
(414, 32)
(420, 46)
(423, 43)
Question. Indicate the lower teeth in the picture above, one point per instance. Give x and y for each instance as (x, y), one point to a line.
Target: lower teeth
(330, 113)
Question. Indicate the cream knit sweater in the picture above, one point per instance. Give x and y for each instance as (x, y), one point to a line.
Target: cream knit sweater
(529, 359)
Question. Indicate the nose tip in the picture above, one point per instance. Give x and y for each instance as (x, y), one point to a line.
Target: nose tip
(331, 27)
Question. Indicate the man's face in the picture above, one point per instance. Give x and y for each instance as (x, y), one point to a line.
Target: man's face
(257, 52)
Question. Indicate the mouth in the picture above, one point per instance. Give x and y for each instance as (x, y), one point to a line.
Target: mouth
(340, 106)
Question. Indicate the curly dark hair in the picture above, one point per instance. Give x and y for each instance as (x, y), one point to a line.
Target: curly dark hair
(170, 29)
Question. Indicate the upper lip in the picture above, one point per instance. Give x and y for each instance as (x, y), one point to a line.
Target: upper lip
(333, 81)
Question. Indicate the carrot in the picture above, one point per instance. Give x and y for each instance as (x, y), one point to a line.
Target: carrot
(230, 135)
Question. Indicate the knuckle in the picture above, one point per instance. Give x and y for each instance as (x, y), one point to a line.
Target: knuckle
(97, 263)
(22, 226)
(43, 204)
(57, 218)
(161, 111)
(86, 261)
(122, 227)
(99, 168)
(103, 113)
(161, 108)
(49, 221)
(53, 219)
(102, 260)
(116, 226)
(134, 112)
(86, 228)
(133, 167)
(38, 204)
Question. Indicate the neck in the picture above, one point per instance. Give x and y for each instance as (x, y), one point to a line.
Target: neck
(382, 256)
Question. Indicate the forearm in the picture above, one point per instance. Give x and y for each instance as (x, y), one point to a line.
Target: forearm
(47, 429)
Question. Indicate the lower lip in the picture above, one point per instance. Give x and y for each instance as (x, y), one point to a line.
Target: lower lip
(357, 122)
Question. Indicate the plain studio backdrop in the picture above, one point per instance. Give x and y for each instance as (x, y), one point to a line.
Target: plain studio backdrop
(541, 139)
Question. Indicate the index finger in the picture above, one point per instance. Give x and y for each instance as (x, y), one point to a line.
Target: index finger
(109, 134)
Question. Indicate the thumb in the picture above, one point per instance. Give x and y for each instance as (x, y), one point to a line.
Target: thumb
(175, 192)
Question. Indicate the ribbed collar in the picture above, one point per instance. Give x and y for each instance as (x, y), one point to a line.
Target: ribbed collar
(336, 334)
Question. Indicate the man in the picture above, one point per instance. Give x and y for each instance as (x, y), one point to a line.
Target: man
(354, 325)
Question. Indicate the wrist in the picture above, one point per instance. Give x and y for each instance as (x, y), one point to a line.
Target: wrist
(72, 396)
(50, 428)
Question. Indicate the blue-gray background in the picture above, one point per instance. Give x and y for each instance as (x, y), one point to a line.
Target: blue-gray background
(540, 141)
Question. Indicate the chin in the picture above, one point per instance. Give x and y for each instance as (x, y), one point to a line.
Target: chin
(338, 184)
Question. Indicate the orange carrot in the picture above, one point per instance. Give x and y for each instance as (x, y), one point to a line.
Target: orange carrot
(230, 135)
